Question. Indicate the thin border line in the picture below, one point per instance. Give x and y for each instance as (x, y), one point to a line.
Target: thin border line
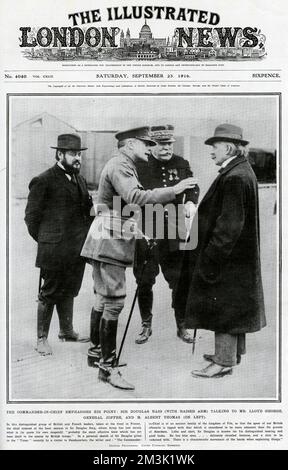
(279, 400)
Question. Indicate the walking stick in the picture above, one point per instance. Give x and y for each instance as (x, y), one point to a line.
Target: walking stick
(150, 245)
(194, 341)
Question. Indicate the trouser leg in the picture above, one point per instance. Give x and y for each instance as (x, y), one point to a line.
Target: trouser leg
(225, 349)
(241, 346)
(240, 349)
(145, 302)
(170, 262)
(145, 279)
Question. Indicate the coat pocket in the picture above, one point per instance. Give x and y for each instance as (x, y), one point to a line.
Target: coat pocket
(117, 250)
(208, 271)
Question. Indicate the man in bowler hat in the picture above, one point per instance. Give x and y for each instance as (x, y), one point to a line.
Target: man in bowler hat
(58, 218)
(163, 169)
(111, 255)
(220, 280)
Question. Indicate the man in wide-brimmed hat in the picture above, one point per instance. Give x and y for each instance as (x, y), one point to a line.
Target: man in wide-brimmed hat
(220, 280)
(58, 218)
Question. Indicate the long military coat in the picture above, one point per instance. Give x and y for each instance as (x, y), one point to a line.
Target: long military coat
(220, 281)
(58, 217)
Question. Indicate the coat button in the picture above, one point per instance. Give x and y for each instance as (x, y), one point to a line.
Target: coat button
(163, 174)
(164, 181)
(163, 168)
(214, 298)
(165, 185)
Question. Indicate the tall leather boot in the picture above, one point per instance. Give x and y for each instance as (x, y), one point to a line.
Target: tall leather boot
(145, 302)
(108, 370)
(65, 314)
(44, 316)
(94, 353)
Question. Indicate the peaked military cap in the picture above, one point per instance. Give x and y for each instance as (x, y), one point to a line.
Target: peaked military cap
(141, 133)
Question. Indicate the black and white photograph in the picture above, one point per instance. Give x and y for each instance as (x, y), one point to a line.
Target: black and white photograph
(147, 316)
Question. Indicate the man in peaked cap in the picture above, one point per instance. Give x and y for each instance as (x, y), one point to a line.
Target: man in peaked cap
(220, 281)
(163, 169)
(58, 218)
(112, 254)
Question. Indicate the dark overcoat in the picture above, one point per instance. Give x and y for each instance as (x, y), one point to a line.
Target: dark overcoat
(220, 281)
(58, 218)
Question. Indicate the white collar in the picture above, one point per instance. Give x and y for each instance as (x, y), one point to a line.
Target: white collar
(228, 161)
(62, 167)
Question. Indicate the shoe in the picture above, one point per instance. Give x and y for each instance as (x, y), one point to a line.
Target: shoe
(183, 334)
(73, 337)
(114, 377)
(212, 371)
(210, 358)
(43, 347)
(144, 335)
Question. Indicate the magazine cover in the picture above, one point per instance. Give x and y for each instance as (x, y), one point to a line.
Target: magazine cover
(143, 226)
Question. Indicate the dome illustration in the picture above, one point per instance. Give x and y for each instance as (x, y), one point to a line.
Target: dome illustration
(145, 32)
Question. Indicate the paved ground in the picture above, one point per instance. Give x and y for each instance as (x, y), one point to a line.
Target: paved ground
(159, 369)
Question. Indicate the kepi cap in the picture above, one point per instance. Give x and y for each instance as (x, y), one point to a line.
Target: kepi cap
(141, 133)
(227, 133)
(163, 134)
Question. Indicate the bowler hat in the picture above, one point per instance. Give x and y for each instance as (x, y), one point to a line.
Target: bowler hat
(164, 134)
(141, 133)
(69, 142)
(227, 133)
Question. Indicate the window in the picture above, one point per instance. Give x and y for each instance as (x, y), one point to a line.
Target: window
(37, 123)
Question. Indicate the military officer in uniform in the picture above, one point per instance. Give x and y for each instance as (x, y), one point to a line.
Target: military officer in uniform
(163, 169)
(58, 218)
(111, 251)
